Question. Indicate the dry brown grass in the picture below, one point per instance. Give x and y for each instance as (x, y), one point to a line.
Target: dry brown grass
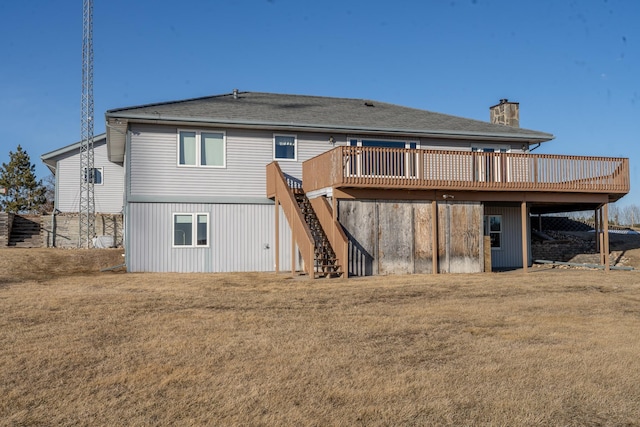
(547, 348)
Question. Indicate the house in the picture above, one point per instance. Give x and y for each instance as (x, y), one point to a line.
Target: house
(251, 181)
(108, 179)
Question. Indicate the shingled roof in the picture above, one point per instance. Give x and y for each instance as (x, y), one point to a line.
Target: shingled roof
(269, 110)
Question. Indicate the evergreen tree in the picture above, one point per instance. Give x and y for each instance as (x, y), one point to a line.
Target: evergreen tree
(24, 193)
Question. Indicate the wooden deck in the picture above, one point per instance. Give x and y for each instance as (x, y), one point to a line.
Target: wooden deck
(412, 169)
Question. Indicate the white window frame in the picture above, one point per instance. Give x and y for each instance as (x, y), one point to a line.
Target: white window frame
(198, 149)
(497, 148)
(488, 230)
(407, 142)
(295, 147)
(101, 169)
(194, 230)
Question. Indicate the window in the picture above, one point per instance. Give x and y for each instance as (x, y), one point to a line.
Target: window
(185, 234)
(205, 149)
(94, 177)
(284, 147)
(493, 229)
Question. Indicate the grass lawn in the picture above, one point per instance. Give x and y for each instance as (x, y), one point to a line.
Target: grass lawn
(551, 347)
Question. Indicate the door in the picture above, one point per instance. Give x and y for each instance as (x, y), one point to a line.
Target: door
(489, 167)
(400, 163)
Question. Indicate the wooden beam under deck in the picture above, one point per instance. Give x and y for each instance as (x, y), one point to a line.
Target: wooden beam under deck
(470, 196)
(605, 223)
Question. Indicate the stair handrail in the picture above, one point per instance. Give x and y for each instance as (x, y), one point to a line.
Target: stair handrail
(334, 232)
(277, 187)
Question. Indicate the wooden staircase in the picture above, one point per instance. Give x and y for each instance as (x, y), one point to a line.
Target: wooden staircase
(25, 232)
(325, 260)
(318, 236)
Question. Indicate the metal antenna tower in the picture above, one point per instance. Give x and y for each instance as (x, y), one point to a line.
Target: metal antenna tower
(87, 205)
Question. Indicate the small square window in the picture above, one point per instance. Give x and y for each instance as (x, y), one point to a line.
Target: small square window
(284, 147)
(94, 177)
(185, 234)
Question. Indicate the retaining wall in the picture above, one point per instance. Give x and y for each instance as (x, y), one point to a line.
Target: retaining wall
(6, 220)
(62, 231)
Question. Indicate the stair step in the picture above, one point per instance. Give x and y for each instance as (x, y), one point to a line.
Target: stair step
(324, 257)
(25, 232)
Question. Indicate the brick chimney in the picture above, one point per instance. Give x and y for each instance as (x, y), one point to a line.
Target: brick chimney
(506, 113)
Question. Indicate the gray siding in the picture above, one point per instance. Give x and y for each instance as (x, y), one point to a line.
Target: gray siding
(510, 254)
(154, 169)
(108, 196)
(241, 238)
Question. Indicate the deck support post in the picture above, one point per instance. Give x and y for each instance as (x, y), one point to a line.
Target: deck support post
(597, 225)
(434, 236)
(525, 243)
(277, 226)
(293, 246)
(605, 226)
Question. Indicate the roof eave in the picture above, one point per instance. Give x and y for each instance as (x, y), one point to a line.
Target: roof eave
(48, 158)
(160, 119)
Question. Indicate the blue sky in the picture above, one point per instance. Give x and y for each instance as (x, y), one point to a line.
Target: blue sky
(574, 66)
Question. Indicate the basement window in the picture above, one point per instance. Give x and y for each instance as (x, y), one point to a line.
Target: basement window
(190, 230)
(493, 229)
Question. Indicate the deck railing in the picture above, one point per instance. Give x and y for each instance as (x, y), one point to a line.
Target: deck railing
(376, 167)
